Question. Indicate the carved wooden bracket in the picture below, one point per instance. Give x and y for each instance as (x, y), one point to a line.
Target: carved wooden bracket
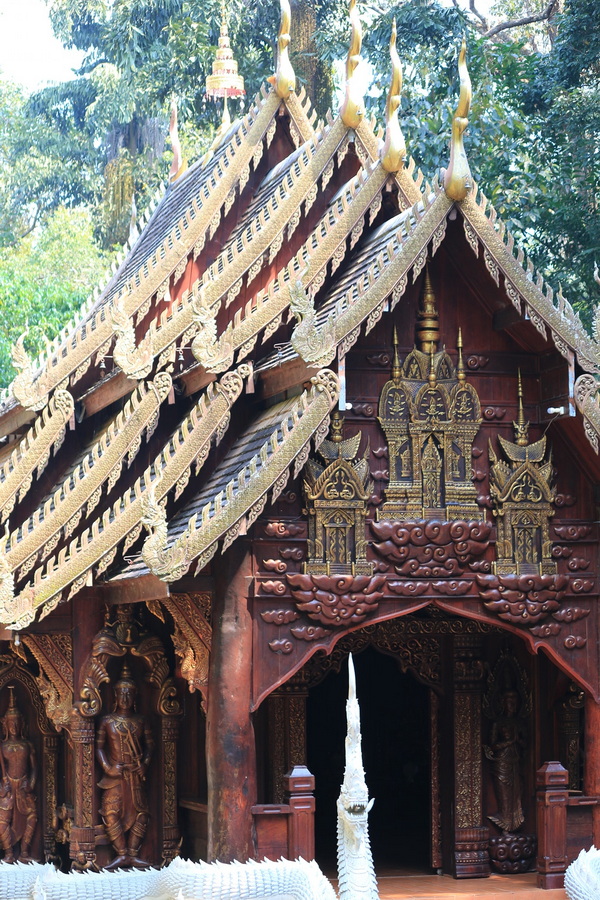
(54, 655)
(523, 599)
(431, 548)
(337, 600)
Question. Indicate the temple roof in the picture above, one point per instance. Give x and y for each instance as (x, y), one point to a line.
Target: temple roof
(292, 248)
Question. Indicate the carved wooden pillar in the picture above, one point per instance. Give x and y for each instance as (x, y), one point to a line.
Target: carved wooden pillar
(471, 837)
(230, 746)
(50, 766)
(591, 761)
(82, 837)
(300, 787)
(170, 828)
(287, 737)
(552, 797)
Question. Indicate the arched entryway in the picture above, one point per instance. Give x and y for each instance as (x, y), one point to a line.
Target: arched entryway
(396, 726)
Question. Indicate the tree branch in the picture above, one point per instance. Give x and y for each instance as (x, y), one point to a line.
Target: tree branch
(476, 12)
(526, 20)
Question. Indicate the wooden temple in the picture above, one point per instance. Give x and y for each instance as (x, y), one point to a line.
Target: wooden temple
(321, 406)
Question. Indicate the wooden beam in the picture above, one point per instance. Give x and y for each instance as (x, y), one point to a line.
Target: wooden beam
(104, 393)
(133, 590)
(290, 374)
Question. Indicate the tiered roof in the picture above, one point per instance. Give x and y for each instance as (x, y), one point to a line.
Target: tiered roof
(258, 268)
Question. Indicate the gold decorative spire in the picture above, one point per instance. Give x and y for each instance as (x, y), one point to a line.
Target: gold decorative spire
(337, 427)
(458, 180)
(521, 426)
(393, 151)
(460, 369)
(224, 81)
(353, 108)
(396, 370)
(284, 79)
(179, 165)
(428, 326)
(431, 377)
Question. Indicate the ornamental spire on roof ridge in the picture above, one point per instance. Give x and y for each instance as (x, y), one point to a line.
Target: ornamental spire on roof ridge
(352, 111)
(521, 426)
(428, 323)
(225, 81)
(284, 79)
(179, 164)
(393, 152)
(458, 180)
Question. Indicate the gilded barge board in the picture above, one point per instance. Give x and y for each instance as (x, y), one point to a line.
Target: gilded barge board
(244, 497)
(216, 284)
(311, 261)
(98, 470)
(566, 329)
(586, 398)
(366, 137)
(33, 451)
(96, 332)
(71, 566)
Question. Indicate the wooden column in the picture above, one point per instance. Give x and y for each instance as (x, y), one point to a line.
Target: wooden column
(82, 845)
(552, 797)
(230, 746)
(300, 787)
(591, 761)
(471, 836)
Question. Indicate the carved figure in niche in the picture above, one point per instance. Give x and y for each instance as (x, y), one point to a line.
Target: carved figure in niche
(504, 752)
(18, 806)
(124, 748)
(507, 702)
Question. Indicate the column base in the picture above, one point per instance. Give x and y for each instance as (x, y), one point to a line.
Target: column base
(471, 857)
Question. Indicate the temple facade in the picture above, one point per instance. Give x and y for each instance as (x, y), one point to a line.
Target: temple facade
(322, 406)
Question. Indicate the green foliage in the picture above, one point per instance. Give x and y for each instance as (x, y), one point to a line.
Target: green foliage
(44, 279)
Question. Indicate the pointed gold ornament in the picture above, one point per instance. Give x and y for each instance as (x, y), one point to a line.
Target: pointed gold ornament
(458, 180)
(284, 79)
(225, 81)
(393, 151)
(353, 108)
(179, 164)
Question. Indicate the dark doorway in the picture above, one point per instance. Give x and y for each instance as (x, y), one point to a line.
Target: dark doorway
(396, 755)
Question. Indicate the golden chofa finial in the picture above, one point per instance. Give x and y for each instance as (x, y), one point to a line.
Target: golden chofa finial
(461, 375)
(393, 151)
(179, 165)
(521, 426)
(428, 325)
(431, 378)
(458, 180)
(353, 108)
(284, 79)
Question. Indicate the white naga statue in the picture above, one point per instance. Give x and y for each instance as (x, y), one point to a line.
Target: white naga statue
(355, 861)
(582, 878)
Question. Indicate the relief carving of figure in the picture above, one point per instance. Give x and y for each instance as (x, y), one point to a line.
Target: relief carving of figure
(18, 807)
(124, 747)
(504, 752)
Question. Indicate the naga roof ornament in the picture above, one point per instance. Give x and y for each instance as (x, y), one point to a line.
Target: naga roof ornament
(458, 180)
(284, 79)
(179, 164)
(393, 152)
(352, 111)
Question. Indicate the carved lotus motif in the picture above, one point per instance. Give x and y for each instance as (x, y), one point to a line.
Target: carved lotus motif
(337, 600)
(522, 599)
(431, 548)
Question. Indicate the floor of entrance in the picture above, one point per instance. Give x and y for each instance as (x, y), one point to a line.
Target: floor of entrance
(444, 887)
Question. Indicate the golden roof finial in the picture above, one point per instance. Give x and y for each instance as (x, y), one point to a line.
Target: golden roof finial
(521, 426)
(458, 180)
(224, 81)
(431, 377)
(393, 151)
(428, 326)
(396, 370)
(353, 108)
(284, 79)
(460, 368)
(179, 165)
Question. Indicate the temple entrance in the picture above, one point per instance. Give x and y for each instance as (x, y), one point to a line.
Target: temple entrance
(396, 754)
